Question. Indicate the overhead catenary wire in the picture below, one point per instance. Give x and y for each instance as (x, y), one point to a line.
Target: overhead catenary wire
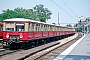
(69, 8)
(62, 8)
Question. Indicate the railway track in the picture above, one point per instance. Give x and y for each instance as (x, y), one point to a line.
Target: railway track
(7, 52)
(50, 55)
(53, 54)
(25, 55)
(4, 52)
(34, 50)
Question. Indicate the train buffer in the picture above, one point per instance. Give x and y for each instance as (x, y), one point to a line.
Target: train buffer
(80, 50)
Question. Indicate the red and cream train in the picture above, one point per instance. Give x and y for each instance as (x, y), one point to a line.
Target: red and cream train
(20, 30)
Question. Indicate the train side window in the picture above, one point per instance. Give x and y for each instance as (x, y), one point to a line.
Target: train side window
(42, 27)
(38, 28)
(29, 27)
(9, 29)
(45, 28)
(50, 28)
(32, 27)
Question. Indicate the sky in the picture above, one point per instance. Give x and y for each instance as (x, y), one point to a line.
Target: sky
(79, 8)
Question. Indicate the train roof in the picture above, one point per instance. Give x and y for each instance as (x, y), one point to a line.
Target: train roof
(28, 20)
(24, 20)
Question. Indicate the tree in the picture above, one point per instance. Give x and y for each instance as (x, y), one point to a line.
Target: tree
(38, 13)
(54, 23)
(7, 14)
(29, 13)
(18, 13)
(42, 13)
(88, 19)
(79, 29)
(68, 25)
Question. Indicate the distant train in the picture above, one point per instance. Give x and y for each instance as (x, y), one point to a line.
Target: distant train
(20, 31)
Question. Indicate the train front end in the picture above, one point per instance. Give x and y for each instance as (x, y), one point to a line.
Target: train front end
(14, 32)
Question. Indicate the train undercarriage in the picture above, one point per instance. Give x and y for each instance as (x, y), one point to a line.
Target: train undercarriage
(15, 43)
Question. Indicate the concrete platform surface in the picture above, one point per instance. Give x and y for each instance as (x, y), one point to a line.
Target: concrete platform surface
(80, 50)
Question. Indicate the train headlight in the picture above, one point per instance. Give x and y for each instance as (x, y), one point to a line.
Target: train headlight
(21, 36)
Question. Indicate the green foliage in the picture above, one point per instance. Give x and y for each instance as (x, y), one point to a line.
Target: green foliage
(42, 13)
(88, 19)
(69, 25)
(38, 13)
(27, 13)
(79, 29)
(7, 14)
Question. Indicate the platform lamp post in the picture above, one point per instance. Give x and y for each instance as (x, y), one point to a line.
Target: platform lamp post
(58, 19)
(81, 23)
(76, 27)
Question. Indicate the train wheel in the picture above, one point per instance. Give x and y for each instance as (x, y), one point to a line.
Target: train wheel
(37, 42)
(45, 41)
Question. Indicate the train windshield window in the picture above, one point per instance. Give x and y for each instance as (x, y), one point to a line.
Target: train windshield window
(9, 29)
(19, 28)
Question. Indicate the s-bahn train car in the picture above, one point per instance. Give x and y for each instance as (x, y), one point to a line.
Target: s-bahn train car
(24, 31)
(1, 30)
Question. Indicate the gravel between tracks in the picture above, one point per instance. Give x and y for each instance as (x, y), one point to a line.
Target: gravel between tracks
(51, 53)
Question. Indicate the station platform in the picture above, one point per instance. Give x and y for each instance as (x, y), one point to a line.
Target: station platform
(80, 50)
